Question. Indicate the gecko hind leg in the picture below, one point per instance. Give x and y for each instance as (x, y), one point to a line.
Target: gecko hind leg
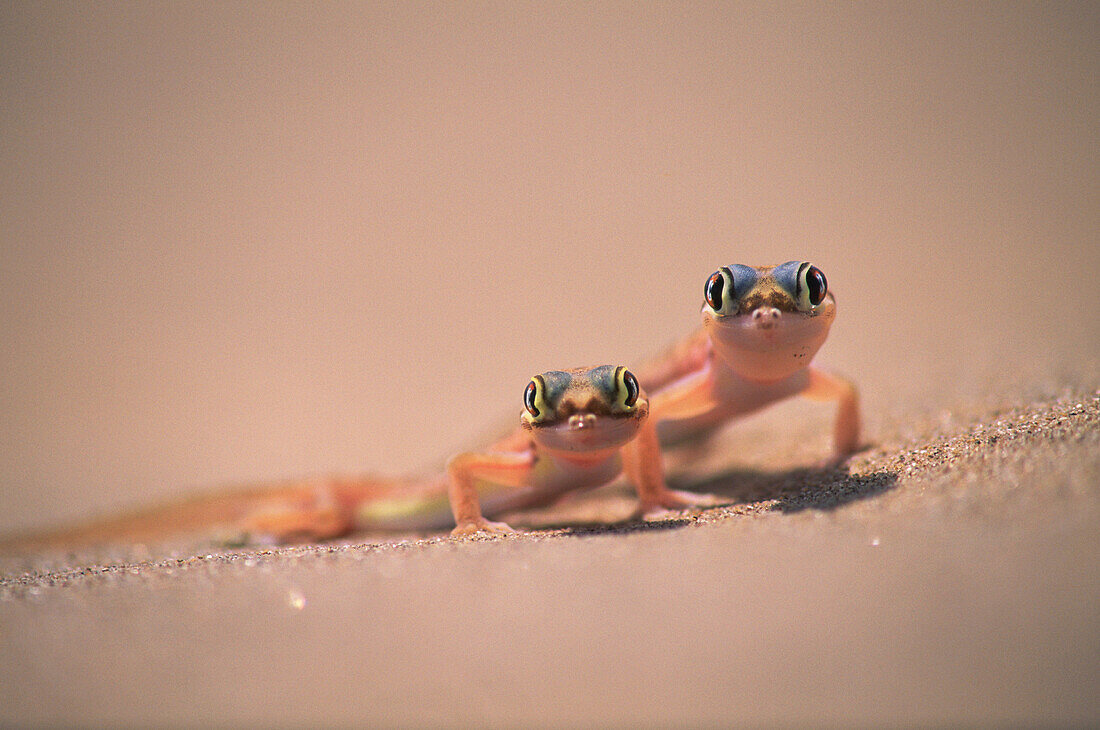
(311, 514)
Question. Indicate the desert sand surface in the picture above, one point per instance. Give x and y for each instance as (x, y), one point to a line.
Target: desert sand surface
(245, 243)
(949, 575)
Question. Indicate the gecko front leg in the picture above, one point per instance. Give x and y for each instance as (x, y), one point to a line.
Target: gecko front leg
(690, 396)
(644, 468)
(506, 469)
(823, 386)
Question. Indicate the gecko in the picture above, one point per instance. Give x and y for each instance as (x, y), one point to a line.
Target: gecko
(579, 429)
(761, 327)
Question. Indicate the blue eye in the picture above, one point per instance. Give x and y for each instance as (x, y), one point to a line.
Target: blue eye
(726, 287)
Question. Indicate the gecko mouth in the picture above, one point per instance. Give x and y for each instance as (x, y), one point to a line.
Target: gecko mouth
(764, 328)
(588, 432)
(765, 345)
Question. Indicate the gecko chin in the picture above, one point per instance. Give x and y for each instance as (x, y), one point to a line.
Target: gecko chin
(583, 432)
(766, 344)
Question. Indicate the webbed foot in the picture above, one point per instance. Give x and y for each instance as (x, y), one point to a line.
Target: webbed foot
(840, 459)
(481, 527)
(675, 502)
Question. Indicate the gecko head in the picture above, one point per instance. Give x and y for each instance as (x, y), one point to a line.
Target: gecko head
(584, 409)
(768, 322)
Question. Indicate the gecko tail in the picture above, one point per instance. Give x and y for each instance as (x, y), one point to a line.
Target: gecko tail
(306, 509)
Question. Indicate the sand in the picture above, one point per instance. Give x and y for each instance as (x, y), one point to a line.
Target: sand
(245, 243)
(949, 574)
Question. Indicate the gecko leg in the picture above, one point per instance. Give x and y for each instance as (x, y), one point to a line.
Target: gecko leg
(508, 469)
(825, 386)
(690, 396)
(643, 466)
(314, 513)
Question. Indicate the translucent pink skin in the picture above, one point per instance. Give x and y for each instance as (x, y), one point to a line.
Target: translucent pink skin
(540, 463)
(588, 434)
(767, 345)
(747, 362)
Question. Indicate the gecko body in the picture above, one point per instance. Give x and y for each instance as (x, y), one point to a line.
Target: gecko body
(580, 429)
(761, 327)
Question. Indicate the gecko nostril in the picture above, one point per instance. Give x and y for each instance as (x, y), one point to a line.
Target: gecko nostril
(580, 421)
(765, 317)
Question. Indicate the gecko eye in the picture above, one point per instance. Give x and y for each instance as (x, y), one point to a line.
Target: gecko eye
(632, 389)
(811, 287)
(529, 397)
(628, 389)
(713, 290)
(719, 291)
(534, 400)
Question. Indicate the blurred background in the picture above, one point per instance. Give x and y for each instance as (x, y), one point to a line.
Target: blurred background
(242, 242)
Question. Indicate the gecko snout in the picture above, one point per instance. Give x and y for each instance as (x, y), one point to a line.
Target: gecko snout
(580, 421)
(765, 317)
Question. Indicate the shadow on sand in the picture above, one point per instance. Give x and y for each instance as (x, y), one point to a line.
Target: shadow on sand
(794, 490)
(791, 490)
